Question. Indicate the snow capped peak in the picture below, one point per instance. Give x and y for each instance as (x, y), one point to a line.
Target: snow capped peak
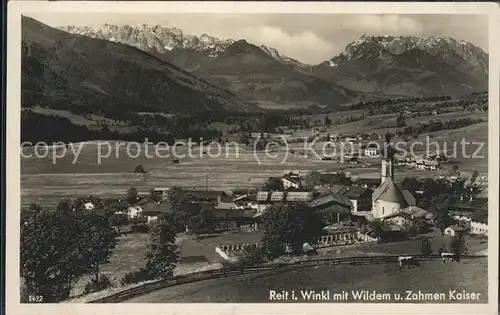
(148, 37)
(459, 54)
(163, 39)
(271, 52)
(396, 45)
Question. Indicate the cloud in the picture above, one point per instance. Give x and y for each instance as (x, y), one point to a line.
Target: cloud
(306, 46)
(386, 25)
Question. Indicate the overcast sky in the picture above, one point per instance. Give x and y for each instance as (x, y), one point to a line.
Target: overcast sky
(310, 38)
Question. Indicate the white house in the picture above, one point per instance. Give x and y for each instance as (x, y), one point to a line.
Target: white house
(372, 150)
(478, 222)
(136, 210)
(420, 164)
(455, 230)
(89, 206)
(431, 165)
(478, 228)
(290, 181)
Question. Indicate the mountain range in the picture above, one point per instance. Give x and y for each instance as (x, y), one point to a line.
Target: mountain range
(205, 72)
(66, 71)
(383, 65)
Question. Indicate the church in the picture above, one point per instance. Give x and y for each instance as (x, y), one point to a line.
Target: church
(388, 198)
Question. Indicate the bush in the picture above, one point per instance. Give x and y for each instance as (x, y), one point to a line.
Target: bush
(139, 169)
(136, 277)
(226, 264)
(251, 256)
(426, 247)
(103, 283)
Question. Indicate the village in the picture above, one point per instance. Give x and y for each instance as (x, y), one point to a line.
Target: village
(369, 199)
(355, 209)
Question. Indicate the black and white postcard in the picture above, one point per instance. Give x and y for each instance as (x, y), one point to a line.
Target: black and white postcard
(252, 158)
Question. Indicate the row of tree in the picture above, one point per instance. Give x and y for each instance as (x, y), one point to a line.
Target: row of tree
(437, 125)
(37, 127)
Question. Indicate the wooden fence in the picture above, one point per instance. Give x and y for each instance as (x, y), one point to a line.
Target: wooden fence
(218, 273)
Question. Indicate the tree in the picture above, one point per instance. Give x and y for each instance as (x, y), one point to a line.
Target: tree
(426, 246)
(132, 195)
(195, 225)
(388, 137)
(182, 212)
(443, 221)
(118, 220)
(312, 180)
(290, 225)
(209, 220)
(474, 176)
(201, 223)
(153, 195)
(273, 183)
(52, 252)
(245, 138)
(328, 121)
(400, 122)
(458, 246)
(162, 253)
(411, 228)
(139, 169)
(100, 240)
(251, 256)
(411, 184)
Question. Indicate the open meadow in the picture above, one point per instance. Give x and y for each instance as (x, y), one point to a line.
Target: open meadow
(430, 277)
(44, 181)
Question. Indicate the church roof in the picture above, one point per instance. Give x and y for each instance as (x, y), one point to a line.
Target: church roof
(410, 200)
(388, 191)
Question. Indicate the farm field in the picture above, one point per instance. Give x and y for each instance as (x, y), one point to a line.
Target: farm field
(45, 182)
(432, 277)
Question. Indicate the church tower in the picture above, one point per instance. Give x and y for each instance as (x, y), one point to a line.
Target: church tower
(387, 169)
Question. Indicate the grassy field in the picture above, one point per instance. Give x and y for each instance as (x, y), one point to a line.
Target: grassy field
(431, 277)
(129, 254)
(45, 182)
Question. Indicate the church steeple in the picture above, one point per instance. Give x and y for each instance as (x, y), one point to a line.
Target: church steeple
(388, 161)
(387, 169)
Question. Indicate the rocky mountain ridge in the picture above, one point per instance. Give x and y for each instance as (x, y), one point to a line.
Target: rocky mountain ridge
(372, 66)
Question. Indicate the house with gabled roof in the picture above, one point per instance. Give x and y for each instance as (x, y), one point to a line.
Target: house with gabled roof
(368, 182)
(333, 203)
(153, 210)
(291, 181)
(360, 198)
